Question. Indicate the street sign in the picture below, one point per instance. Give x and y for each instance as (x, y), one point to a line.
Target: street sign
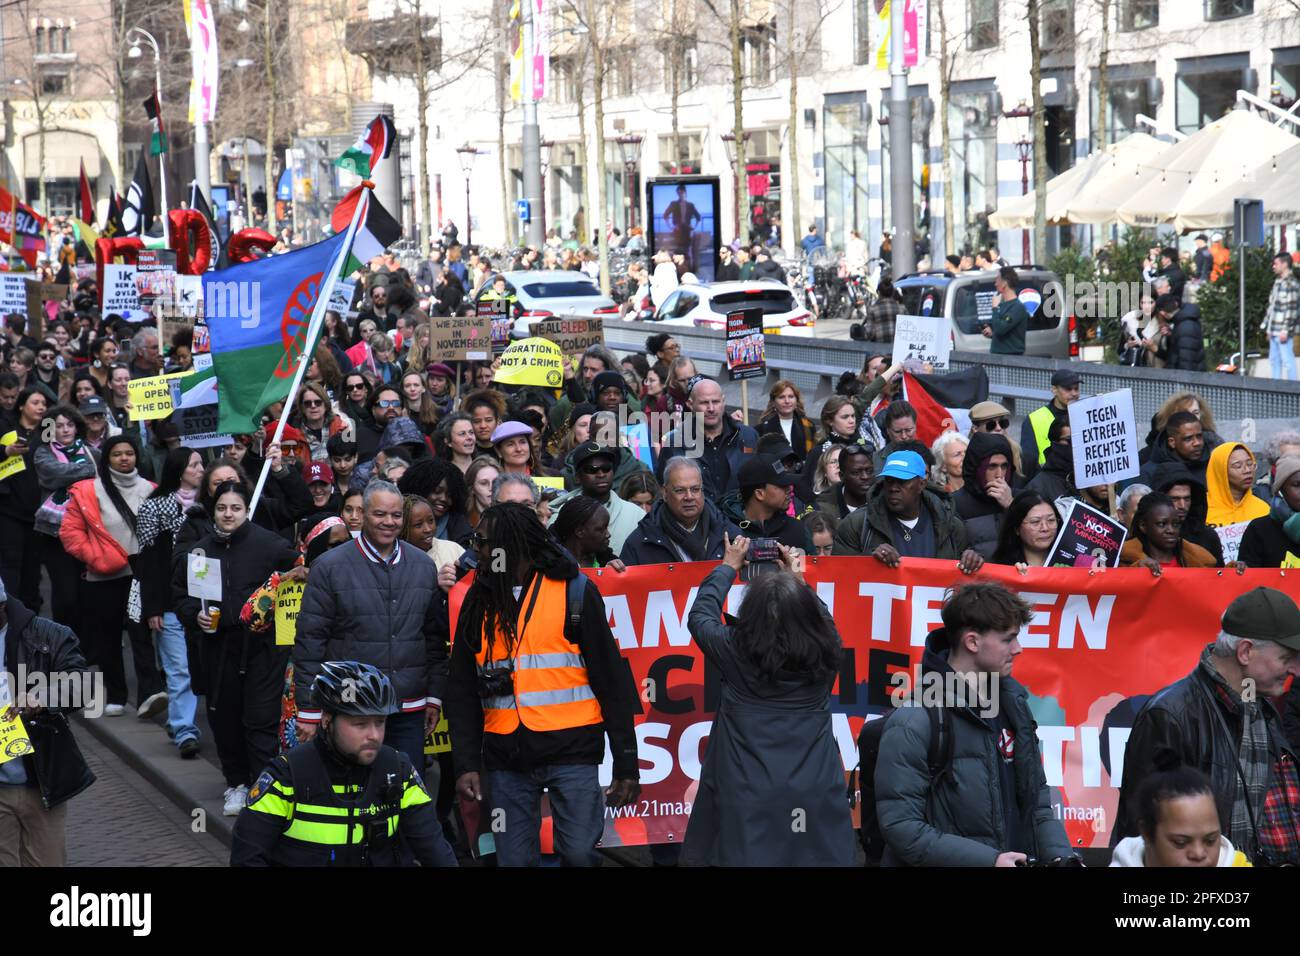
(522, 210)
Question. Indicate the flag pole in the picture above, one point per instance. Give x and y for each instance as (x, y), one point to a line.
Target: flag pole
(313, 331)
(162, 163)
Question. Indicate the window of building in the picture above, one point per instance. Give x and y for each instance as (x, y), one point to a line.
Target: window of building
(973, 133)
(1227, 9)
(564, 78)
(845, 122)
(1284, 89)
(1128, 97)
(1056, 24)
(983, 24)
(620, 66)
(1206, 89)
(687, 158)
(55, 83)
(40, 39)
(682, 56)
(758, 47)
(1138, 14)
(863, 14)
(65, 37)
(922, 116)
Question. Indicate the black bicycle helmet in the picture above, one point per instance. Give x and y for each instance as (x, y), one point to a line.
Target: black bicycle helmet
(353, 688)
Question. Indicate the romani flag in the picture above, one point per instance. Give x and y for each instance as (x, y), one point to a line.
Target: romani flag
(258, 314)
(373, 145)
(375, 233)
(158, 141)
(943, 401)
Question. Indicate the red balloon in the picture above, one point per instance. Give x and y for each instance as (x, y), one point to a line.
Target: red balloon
(190, 225)
(241, 245)
(127, 248)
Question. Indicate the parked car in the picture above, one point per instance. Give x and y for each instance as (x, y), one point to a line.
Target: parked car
(551, 293)
(967, 299)
(707, 305)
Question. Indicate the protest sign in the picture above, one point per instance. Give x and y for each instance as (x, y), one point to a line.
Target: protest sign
(341, 297)
(573, 336)
(202, 576)
(14, 740)
(1104, 439)
(13, 293)
(438, 740)
(497, 311)
(1087, 538)
(746, 354)
(288, 601)
(120, 297)
(1096, 647)
(636, 438)
(1230, 536)
(43, 298)
(460, 338)
(531, 362)
(549, 481)
(151, 398)
(198, 427)
(922, 338)
(12, 464)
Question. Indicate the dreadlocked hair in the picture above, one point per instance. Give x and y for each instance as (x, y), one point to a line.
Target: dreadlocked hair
(513, 535)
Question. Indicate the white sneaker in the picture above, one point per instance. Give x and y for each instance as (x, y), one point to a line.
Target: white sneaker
(152, 706)
(236, 798)
(114, 710)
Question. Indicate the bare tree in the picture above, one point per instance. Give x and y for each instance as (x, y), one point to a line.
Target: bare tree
(1037, 124)
(945, 136)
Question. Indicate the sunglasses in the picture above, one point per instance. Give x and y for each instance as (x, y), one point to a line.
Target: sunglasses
(597, 469)
(315, 403)
(357, 387)
(993, 424)
(389, 403)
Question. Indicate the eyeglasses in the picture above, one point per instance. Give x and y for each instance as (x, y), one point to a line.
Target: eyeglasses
(597, 469)
(389, 403)
(1041, 522)
(993, 424)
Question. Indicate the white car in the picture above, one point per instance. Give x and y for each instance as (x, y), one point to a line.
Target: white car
(707, 306)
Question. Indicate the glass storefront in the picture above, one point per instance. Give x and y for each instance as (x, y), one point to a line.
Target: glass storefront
(846, 119)
(922, 116)
(973, 135)
(1207, 89)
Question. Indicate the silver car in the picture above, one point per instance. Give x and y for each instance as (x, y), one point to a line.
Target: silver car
(551, 293)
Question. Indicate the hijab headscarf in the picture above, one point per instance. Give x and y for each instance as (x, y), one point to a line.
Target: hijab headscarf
(1223, 508)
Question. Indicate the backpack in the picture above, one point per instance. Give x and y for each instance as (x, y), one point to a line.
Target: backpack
(939, 757)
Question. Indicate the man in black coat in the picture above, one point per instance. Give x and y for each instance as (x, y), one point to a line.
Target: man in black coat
(1184, 349)
(1219, 719)
(683, 526)
(1182, 442)
(35, 787)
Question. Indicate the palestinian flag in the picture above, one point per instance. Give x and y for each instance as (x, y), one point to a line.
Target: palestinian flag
(158, 139)
(943, 401)
(375, 144)
(375, 233)
(87, 198)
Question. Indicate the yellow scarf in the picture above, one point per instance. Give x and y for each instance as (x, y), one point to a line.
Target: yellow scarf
(1223, 508)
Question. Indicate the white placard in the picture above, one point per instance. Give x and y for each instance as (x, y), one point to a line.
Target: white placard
(13, 294)
(120, 294)
(924, 338)
(1104, 439)
(1230, 536)
(341, 297)
(203, 577)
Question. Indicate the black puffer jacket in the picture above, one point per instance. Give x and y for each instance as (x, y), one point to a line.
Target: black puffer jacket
(980, 513)
(1182, 718)
(393, 616)
(1185, 346)
(960, 821)
(37, 645)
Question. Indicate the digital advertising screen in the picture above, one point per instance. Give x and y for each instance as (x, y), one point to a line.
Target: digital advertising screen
(683, 215)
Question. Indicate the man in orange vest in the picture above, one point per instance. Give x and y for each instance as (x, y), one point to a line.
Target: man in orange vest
(536, 684)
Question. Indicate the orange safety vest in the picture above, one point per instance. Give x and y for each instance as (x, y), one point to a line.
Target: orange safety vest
(551, 690)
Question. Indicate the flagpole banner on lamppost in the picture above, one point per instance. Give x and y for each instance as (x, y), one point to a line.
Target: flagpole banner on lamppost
(541, 47)
(202, 29)
(515, 32)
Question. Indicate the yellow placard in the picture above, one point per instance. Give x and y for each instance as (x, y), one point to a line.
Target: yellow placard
(439, 742)
(288, 601)
(534, 361)
(11, 465)
(14, 741)
(151, 398)
(549, 481)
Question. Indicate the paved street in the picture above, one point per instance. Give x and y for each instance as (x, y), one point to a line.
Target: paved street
(122, 820)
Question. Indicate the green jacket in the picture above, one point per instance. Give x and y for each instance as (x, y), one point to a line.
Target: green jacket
(1010, 322)
(869, 527)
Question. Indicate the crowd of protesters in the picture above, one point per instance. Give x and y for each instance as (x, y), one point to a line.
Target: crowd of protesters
(397, 473)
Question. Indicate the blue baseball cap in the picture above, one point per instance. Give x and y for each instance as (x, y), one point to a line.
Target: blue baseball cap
(904, 465)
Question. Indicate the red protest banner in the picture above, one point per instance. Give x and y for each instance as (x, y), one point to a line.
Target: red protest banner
(1099, 644)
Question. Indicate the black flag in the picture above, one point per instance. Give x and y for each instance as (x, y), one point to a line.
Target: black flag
(138, 207)
(200, 204)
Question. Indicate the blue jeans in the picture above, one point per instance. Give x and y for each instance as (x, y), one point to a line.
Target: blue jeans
(181, 702)
(1281, 356)
(405, 733)
(577, 812)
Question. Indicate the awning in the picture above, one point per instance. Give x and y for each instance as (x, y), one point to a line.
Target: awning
(65, 150)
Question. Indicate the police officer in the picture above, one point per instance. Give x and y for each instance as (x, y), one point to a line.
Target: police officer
(343, 799)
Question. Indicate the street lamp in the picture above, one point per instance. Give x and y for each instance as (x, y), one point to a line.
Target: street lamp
(467, 153)
(729, 143)
(135, 35)
(629, 144)
(1024, 148)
